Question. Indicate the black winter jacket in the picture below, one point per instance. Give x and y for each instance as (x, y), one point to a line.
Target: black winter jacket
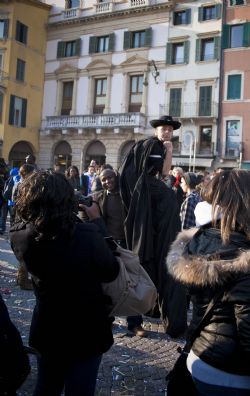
(70, 313)
(224, 342)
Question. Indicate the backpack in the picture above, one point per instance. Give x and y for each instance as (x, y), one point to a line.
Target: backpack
(7, 189)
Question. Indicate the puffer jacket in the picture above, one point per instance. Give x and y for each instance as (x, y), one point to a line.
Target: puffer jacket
(224, 342)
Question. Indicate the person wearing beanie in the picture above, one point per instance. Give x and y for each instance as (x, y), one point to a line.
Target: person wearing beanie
(188, 183)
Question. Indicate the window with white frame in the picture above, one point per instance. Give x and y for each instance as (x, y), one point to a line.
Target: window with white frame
(136, 90)
(233, 138)
(100, 95)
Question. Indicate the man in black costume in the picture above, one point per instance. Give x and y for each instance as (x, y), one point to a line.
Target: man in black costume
(152, 218)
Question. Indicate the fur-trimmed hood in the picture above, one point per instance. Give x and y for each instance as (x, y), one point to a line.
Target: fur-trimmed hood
(197, 270)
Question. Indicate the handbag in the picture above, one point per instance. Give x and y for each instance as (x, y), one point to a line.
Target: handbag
(132, 292)
(179, 378)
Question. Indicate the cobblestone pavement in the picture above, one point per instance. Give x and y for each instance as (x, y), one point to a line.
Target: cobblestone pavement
(133, 366)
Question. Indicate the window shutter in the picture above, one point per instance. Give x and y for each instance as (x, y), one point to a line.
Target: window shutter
(218, 9)
(148, 37)
(60, 49)
(200, 14)
(25, 34)
(169, 53)
(18, 27)
(24, 110)
(6, 28)
(186, 51)
(234, 86)
(78, 47)
(11, 112)
(111, 42)
(92, 44)
(217, 41)
(188, 16)
(175, 102)
(225, 36)
(246, 34)
(198, 50)
(205, 101)
(127, 40)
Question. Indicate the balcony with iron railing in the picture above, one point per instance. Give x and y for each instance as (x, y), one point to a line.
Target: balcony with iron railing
(95, 121)
(103, 7)
(191, 110)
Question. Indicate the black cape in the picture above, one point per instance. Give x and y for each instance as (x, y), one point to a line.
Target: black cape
(151, 225)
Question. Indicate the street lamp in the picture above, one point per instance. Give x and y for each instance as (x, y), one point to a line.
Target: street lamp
(152, 68)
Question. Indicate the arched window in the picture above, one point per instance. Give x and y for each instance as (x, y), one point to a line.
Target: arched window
(96, 151)
(62, 155)
(18, 153)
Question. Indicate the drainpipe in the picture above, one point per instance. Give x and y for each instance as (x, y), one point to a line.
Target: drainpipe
(221, 81)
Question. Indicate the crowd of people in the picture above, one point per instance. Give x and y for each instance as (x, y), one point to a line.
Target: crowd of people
(191, 232)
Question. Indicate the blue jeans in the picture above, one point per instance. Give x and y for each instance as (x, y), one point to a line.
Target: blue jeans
(78, 377)
(215, 390)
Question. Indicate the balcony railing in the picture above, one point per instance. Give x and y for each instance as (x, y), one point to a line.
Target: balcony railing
(95, 121)
(139, 3)
(190, 110)
(103, 7)
(71, 13)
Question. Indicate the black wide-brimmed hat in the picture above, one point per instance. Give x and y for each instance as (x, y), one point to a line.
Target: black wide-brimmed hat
(165, 120)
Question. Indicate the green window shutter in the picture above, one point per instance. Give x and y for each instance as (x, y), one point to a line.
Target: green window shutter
(60, 49)
(205, 102)
(127, 40)
(225, 36)
(175, 102)
(148, 37)
(217, 42)
(11, 110)
(169, 54)
(234, 86)
(24, 111)
(200, 14)
(6, 28)
(198, 50)
(218, 9)
(186, 51)
(246, 34)
(111, 42)
(78, 47)
(92, 44)
(188, 16)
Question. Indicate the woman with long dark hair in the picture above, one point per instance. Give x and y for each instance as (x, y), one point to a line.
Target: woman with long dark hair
(68, 261)
(214, 263)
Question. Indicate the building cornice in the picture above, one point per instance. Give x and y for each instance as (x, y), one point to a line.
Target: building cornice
(35, 3)
(111, 15)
